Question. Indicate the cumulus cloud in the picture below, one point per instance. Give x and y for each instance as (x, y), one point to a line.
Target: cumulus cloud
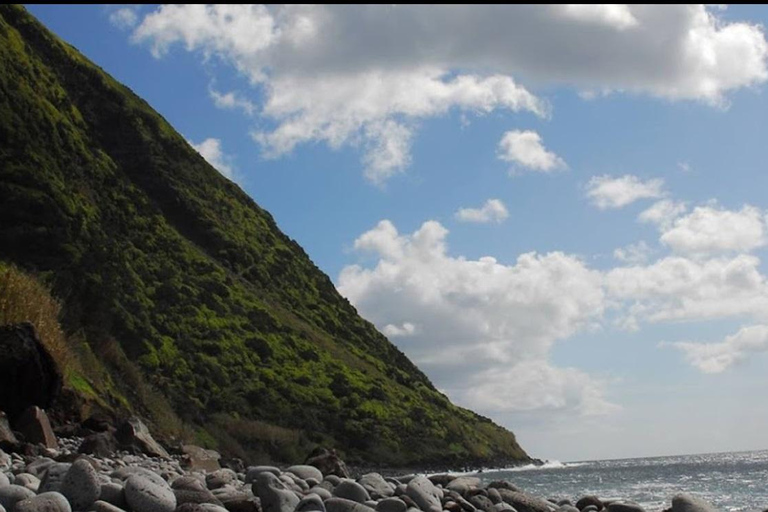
(633, 254)
(210, 149)
(492, 211)
(232, 100)
(124, 18)
(525, 148)
(365, 75)
(677, 288)
(396, 331)
(607, 192)
(663, 213)
(734, 349)
(709, 229)
(481, 317)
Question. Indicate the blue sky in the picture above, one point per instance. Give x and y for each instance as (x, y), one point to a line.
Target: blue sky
(609, 159)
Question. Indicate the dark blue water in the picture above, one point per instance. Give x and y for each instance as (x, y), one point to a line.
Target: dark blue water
(734, 481)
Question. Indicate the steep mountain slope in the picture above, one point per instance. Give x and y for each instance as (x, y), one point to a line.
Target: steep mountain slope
(181, 296)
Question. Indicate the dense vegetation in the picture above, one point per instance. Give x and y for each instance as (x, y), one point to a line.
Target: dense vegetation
(180, 296)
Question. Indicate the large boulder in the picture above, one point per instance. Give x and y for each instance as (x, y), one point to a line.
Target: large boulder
(424, 493)
(134, 434)
(275, 496)
(81, 485)
(7, 438)
(34, 425)
(376, 486)
(28, 373)
(45, 502)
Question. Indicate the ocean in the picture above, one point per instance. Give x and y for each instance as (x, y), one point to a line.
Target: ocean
(734, 481)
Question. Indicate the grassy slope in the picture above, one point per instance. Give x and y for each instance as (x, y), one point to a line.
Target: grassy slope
(170, 274)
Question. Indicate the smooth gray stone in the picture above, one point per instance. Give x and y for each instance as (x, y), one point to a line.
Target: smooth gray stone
(220, 478)
(103, 506)
(54, 477)
(567, 508)
(400, 489)
(685, 502)
(39, 467)
(300, 482)
(625, 507)
(11, 494)
(345, 505)
(2, 508)
(81, 485)
(188, 483)
(253, 471)
(275, 496)
(351, 491)
(458, 498)
(391, 505)
(503, 507)
(44, 502)
(590, 508)
(324, 493)
(210, 507)
(303, 471)
(333, 480)
(27, 480)
(442, 479)
(376, 486)
(114, 494)
(125, 473)
(525, 502)
(463, 483)
(4, 480)
(311, 503)
(311, 482)
(483, 503)
(424, 493)
(494, 496)
(144, 495)
(588, 500)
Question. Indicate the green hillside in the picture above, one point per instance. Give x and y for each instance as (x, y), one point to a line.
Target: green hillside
(181, 298)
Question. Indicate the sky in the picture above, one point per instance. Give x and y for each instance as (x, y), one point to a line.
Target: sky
(558, 212)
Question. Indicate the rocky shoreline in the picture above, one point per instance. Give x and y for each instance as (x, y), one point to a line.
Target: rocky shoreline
(63, 480)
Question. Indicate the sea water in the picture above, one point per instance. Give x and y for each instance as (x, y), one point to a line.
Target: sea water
(734, 481)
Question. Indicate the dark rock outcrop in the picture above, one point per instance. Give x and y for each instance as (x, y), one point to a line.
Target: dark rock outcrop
(134, 434)
(34, 425)
(28, 373)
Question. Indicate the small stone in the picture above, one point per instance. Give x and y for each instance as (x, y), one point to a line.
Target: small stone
(391, 505)
(324, 493)
(344, 505)
(145, 495)
(311, 503)
(424, 493)
(104, 506)
(522, 501)
(275, 497)
(4, 480)
(253, 471)
(54, 476)
(589, 500)
(567, 508)
(376, 486)
(351, 491)
(220, 478)
(45, 502)
(685, 502)
(625, 507)
(114, 494)
(494, 496)
(28, 480)
(210, 507)
(198, 496)
(483, 503)
(81, 485)
(12, 494)
(304, 471)
(129, 471)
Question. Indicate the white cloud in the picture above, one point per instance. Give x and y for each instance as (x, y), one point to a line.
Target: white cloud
(734, 349)
(662, 213)
(709, 229)
(367, 74)
(124, 18)
(232, 100)
(481, 317)
(492, 211)
(608, 192)
(633, 254)
(677, 288)
(525, 148)
(395, 331)
(210, 149)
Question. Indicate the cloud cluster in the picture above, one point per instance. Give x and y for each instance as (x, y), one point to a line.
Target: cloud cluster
(492, 211)
(366, 75)
(734, 349)
(607, 192)
(525, 149)
(495, 323)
